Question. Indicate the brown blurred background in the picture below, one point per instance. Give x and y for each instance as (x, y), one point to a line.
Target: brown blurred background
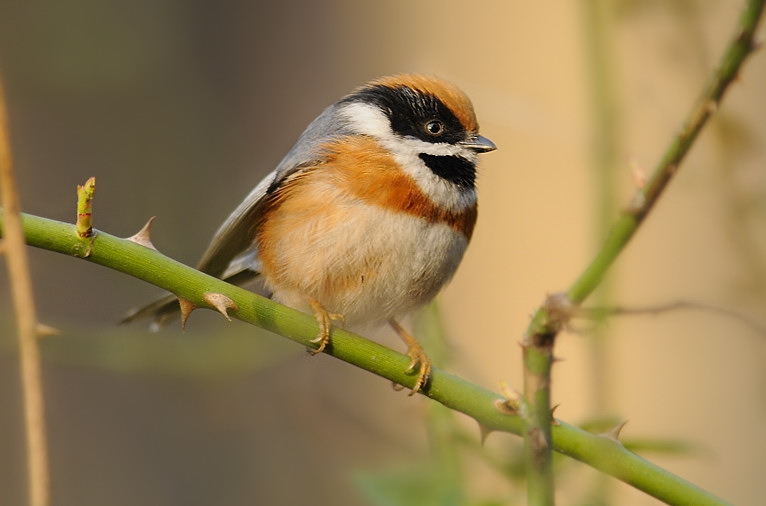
(179, 107)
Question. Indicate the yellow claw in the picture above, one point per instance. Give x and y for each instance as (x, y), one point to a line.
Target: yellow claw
(324, 319)
(419, 360)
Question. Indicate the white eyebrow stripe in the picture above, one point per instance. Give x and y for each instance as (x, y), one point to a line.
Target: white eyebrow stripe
(368, 119)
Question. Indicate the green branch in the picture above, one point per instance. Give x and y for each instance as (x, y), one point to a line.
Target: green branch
(549, 319)
(484, 406)
(623, 230)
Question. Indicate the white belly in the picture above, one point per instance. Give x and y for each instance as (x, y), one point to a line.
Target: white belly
(369, 266)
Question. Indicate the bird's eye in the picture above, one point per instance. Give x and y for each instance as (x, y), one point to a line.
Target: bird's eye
(434, 127)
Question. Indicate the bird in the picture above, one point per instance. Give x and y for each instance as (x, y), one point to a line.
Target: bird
(367, 216)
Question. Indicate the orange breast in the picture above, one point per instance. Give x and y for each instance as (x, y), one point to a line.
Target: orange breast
(350, 233)
(366, 171)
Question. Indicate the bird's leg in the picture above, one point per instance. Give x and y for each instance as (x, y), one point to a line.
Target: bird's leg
(419, 361)
(324, 319)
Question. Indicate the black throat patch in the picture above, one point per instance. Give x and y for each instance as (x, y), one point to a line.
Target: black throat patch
(454, 169)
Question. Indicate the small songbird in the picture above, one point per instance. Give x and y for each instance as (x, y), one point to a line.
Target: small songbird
(366, 217)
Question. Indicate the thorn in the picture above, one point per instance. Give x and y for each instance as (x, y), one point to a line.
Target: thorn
(46, 330)
(614, 433)
(553, 418)
(638, 174)
(221, 303)
(187, 307)
(143, 236)
(711, 106)
(484, 432)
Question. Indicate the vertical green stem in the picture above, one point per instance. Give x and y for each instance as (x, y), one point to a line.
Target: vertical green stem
(536, 414)
(549, 319)
(535, 409)
(604, 146)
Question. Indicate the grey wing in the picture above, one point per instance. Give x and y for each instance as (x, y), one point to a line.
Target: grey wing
(231, 250)
(232, 254)
(235, 236)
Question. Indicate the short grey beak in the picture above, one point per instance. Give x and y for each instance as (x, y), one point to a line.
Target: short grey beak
(480, 144)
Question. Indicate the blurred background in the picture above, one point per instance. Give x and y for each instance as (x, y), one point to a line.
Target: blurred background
(179, 107)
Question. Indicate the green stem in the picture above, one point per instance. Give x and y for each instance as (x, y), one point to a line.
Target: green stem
(451, 391)
(537, 424)
(645, 198)
(597, 15)
(85, 207)
(604, 105)
(548, 320)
